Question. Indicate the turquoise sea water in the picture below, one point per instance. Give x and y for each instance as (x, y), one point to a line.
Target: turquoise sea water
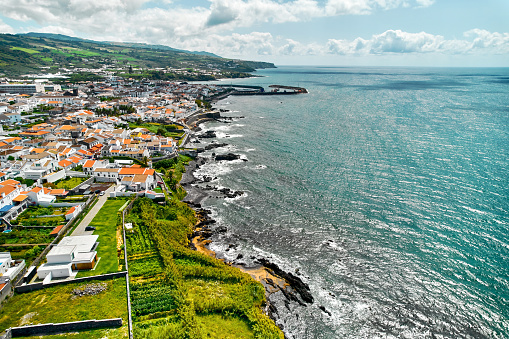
(386, 188)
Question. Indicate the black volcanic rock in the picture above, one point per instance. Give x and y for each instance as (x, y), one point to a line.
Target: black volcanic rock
(295, 282)
(208, 135)
(227, 157)
(214, 145)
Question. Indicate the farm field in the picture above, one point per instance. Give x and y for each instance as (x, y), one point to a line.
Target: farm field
(179, 293)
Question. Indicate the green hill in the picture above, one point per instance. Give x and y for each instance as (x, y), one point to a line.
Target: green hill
(49, 53)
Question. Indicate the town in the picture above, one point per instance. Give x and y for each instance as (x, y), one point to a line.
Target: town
(73, 162)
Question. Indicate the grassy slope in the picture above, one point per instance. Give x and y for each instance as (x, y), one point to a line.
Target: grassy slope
(180, 293)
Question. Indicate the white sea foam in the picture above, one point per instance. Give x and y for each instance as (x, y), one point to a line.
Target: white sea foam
(222, 135)
(213, 169)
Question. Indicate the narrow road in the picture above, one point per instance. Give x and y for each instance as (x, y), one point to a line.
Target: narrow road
(80, 230)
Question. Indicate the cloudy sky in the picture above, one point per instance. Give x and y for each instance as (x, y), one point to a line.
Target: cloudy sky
(287, 32)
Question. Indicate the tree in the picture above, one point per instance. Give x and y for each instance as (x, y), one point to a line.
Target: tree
(10, 158)
(161, 131)
(144, 161)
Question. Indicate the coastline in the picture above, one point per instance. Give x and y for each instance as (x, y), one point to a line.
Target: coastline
(276, 282)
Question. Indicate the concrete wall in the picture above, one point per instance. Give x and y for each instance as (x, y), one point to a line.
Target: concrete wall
(40, 286)
(45, 329)
(86, 182)
(55, 176)
(65, 204)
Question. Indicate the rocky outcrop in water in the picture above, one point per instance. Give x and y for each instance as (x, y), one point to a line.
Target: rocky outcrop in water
(214, 145)
(207, 135)
(227, 157)
(295, 282)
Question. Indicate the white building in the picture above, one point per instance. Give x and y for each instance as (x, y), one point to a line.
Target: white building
(10, 268)
(71, 253)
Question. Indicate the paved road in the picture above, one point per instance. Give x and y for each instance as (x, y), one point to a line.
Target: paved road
(80, 230)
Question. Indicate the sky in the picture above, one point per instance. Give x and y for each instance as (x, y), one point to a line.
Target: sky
(467, 33)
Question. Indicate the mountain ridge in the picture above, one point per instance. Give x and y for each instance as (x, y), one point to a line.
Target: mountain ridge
(52, 53)
(63, 37)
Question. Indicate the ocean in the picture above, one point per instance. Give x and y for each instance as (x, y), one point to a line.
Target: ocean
(384, 189)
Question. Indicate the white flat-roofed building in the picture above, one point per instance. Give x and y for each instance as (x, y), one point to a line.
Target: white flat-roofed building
(71, 253)
(60, 254)
(59, 270)
(22, 88)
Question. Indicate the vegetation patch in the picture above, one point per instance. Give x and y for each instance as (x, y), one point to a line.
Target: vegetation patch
(56, 305)
(26, 50)
(66, 183)
(21, 235)
(106, 223)
(33, 216)
(27, 253)
(180, 293)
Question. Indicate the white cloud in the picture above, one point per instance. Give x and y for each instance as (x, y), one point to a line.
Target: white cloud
(234, 45)
(403, 42)
(212, 28)
(155, 20)
(482, 39)
(4, 28)
(399, 42)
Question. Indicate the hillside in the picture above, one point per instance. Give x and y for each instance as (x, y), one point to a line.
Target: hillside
(43, 53)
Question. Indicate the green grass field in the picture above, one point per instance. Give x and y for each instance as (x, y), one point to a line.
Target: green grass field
(26, 50)
(105, 223)
(56, 305)
(69, 183)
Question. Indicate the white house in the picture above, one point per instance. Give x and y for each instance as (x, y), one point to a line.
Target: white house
(10, 268)
(71, 253)
(106, 174)
(40, 196)
(72, 212)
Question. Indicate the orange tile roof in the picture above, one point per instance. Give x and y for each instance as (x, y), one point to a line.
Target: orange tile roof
(37, 150)
(134, 171)
(56, 230)
(11, 182)
(64, 163)
(89, 163)
(7, 189)
(20, 198)
(71, 210)
(28, 133)
(58, 191)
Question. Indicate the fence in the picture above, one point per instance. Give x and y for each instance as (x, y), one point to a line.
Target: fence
(51, 328)
(130, 321)
(40, 286)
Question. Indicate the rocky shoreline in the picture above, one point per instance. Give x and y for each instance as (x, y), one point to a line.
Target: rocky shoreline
(272, 277)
